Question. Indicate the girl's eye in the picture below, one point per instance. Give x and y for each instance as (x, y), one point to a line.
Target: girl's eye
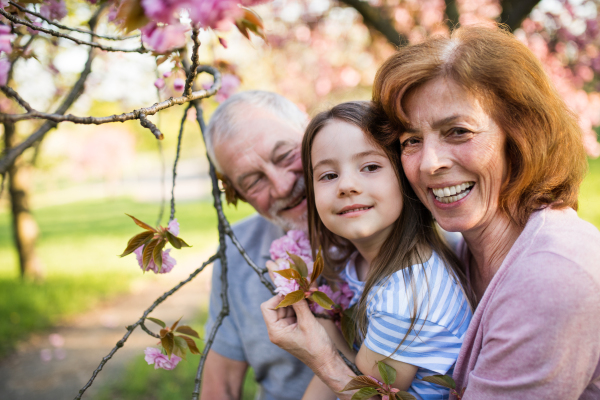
(328, 177)
(371, 168)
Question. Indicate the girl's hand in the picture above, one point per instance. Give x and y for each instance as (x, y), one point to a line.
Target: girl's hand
(296, 330)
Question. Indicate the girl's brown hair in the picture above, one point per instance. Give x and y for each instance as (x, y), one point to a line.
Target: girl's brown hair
(544, 150)
(413, 232)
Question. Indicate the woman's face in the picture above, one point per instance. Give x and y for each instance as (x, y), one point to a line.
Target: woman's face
(453, 155)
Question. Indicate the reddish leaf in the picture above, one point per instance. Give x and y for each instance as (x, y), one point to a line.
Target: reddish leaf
(364, 394)
(299, 264)
(191, 344)
(405, 396)
(442, 380)
(157, 321)
(168, 342)
(250, 21)
(360, 382)
(157, 254)
(291, 298)
(174, 240)
(322, 299)
(318, 266)
(131, 14)
(141, 224)
(176, 323)
(289, 273)
(163, 332)
(137, 241)
(147, 254)
(186, 330)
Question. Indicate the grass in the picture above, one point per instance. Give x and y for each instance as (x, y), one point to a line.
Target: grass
(78, 245)
(589, 197)
(142, 381)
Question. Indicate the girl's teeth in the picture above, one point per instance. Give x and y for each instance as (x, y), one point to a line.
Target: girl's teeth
(451, 194)
(356, 209)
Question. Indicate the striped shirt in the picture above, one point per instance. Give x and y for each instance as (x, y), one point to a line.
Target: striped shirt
(443, 317)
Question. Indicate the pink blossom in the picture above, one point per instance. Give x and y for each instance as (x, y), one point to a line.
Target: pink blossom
(341, 297)
(173, 227)
(284, 286)
(211, 13)
(163, 10)
(294, 242)
(3, 3)
(4, 68)
(163, 39)
(167, 74)
(6, 39)
(229, 85)
(159, 83)
(54, 9)
(160, 360)
(178, 84)
(34, 31)
(56, 340)
(168, 262)
(223, 42)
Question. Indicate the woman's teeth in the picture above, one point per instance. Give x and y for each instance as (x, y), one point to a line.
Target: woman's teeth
(354, 209)
(451, 194)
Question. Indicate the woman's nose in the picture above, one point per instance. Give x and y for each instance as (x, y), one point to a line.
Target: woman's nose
(434, 157)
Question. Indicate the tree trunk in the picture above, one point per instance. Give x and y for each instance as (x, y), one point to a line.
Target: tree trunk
(25, 229)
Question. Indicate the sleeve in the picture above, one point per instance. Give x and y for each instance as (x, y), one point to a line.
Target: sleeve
(426, 344)
(534, 349)
(227, 339)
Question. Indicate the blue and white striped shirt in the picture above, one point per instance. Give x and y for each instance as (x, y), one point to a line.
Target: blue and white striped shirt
(443, 317)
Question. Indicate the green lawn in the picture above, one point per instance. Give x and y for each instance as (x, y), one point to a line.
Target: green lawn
(78, 245)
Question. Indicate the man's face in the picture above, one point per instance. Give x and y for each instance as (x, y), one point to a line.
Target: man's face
(263, 163)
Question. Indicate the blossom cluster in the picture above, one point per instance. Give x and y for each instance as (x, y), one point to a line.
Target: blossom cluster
(160, 360)
(168, 262)
(296, 242)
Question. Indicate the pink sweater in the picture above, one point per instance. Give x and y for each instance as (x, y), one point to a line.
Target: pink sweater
(536, 332)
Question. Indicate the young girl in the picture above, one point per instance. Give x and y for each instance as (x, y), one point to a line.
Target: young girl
(412, 312)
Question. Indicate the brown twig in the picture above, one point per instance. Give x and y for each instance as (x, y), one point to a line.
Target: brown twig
(9, 92)
(93, 34)
(178, 152)
(146, 123)
(19, 21)
(191, 76)
(131, 328)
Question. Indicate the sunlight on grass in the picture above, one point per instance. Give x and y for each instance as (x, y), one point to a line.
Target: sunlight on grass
(589, 197)
(78, 245)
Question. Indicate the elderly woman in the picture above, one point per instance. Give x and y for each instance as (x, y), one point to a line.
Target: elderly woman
(493, 152)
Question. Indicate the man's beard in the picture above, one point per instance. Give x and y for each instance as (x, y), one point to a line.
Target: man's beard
(287, 224)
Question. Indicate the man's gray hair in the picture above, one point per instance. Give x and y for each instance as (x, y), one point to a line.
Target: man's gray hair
(228, 119)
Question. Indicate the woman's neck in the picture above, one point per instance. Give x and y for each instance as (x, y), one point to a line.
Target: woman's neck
(489, 246)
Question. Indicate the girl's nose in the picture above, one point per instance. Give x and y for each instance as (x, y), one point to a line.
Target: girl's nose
(348, 185)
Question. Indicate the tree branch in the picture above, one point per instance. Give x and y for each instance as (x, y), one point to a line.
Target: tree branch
(376, 18)
(515, 11)
(9, 92)
(146, 123)
(51, 22)
(191, 76)
(179, 138)
(131, 328)
(17, 20)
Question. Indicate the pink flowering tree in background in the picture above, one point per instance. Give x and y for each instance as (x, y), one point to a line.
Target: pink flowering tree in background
(318, 51)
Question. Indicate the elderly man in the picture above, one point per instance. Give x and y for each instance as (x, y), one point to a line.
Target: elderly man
(254, 142)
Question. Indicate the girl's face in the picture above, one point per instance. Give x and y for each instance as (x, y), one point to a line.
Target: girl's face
(357, 193)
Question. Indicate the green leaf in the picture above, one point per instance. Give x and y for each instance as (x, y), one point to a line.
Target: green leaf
(131, 15)
(190, 344)
(291, 298)
(300, 264)
(317, 266)
(388, 374)
(442, 380)
(168, 342)
(174, 240)
(405, 396)
(364, 394)
(289, 273)
(348, 329)
(360, 382)
(157, 254)
(180, 347)
(157, 321)
(141, 224)
(322, 299)
(186, 330)
(137, 241)
(147, 254)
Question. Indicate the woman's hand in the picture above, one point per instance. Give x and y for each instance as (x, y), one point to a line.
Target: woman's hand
(296, 330)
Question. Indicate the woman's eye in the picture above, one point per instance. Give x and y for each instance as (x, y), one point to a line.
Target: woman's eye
(328, 177)
(459, 131)
(371, 168)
